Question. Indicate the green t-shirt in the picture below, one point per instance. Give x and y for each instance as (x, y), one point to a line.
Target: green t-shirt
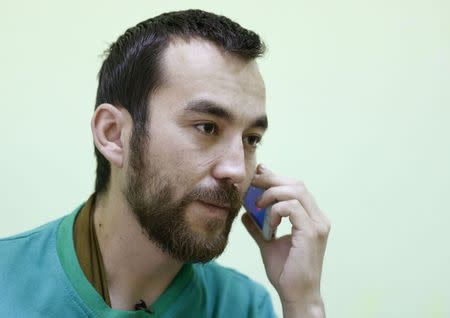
(40, 276)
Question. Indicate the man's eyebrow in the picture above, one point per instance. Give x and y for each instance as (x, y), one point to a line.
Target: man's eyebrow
(210, 108)
(214, 109)
(261, 122)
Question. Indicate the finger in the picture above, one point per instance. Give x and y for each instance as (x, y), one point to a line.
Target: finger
(292, 209)
(299, 220)
(276, 194)
(309, 203)
(253, 230)
(298, 191)
(264, 178)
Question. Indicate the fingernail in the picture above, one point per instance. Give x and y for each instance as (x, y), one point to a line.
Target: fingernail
(261, 167)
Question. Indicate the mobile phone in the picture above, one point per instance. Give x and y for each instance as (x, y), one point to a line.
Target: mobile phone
(259, 215)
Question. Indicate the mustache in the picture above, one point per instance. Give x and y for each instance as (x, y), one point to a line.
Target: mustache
(223, 195)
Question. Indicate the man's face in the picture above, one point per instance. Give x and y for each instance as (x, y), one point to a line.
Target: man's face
(186, 180)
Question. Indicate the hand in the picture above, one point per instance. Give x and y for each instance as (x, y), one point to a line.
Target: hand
(293, 262)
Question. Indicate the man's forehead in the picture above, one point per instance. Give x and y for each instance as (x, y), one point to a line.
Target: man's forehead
(197, 58)
(190, 50)
(197, 70)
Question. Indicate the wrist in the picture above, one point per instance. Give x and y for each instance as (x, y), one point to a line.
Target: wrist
(311, 309)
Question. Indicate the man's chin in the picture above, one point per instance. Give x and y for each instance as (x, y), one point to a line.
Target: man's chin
(207, 221)
(190, 235)
(200, 248)
(210, 229)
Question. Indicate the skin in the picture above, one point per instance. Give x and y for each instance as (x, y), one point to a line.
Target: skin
(197, 149)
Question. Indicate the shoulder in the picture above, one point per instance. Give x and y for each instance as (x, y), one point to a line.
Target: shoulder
(22, 252)
(31, 238)
(29, 264)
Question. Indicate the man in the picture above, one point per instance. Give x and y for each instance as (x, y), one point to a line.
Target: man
(179, 114)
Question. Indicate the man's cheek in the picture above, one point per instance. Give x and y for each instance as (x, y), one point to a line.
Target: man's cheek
(207, 160)
(250, 170)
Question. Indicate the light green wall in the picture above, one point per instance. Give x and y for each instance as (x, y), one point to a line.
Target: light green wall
(359, 106)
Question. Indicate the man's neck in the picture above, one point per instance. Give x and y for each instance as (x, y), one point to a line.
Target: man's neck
(135, 267)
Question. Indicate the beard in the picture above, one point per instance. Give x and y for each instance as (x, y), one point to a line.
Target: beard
(150, 195)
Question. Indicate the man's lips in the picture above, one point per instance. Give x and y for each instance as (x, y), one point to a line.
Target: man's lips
(216, 205)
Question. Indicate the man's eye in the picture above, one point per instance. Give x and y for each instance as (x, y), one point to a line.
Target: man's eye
(207, 128)
(254, 140)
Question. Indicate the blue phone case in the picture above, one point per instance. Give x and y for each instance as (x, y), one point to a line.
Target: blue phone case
(260, 216)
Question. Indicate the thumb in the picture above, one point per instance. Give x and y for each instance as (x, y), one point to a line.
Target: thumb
(252, 229)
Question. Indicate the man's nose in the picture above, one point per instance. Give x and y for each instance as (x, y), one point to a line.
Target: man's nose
(230, 164)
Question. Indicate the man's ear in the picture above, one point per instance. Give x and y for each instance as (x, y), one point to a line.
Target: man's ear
(108, 126)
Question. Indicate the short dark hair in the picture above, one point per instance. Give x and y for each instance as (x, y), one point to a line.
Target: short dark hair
(131, 70)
